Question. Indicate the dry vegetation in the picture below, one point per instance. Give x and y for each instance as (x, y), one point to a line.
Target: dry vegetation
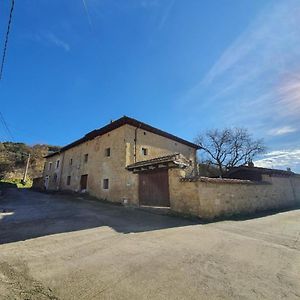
(13, 158)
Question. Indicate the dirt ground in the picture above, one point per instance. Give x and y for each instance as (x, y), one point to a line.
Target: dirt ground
(63, 247)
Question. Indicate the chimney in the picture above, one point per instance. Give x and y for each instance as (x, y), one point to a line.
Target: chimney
(250, 164)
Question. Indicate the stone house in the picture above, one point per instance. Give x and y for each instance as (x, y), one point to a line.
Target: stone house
(250, 172)
(130, 162)
(126, 161)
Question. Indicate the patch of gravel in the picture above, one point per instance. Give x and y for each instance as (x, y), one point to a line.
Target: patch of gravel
(18, 285)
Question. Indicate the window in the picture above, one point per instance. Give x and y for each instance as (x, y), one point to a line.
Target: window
(107, 152)
(105, 184)
(86, 157)
(57, 164)
(71, 161)
(50, 166)
(68, 180)
(55, 177)
(144, 151)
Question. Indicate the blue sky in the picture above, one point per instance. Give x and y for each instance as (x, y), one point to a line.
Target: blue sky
(182, 66)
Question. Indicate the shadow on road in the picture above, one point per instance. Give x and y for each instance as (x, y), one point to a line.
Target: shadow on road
(29, 214)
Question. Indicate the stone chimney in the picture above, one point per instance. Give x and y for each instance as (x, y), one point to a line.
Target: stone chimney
(250, 164)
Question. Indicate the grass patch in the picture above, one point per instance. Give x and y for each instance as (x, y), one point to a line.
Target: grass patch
(18, 182)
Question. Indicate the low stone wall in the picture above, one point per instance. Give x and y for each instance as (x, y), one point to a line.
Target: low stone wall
(212, 198)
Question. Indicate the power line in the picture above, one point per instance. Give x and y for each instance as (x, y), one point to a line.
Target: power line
(6, 37)
(5, 126)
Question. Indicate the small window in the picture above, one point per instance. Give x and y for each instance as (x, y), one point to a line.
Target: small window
(86, 157)
(144, 133)
(57, 164)
(68, 180)
(55, 177)
(144, 151)
(71, 161)
(50, 166)
(107, 152)
(105, 184)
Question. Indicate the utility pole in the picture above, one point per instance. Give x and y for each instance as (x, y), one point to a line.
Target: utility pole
(26, 170)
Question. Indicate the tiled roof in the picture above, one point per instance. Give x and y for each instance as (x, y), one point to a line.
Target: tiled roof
(260, 170)
(175, 158)
(118, 123)
(218, 180)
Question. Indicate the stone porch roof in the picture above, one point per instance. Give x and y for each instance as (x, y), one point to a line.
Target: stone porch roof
(175, 160)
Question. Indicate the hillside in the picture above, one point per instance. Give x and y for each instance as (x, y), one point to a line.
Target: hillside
(13, 157)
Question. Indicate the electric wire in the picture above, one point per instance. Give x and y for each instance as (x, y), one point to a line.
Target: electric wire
(5, 126)
(6, 38)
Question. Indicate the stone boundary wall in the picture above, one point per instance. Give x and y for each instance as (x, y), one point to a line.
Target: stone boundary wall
(211, 198)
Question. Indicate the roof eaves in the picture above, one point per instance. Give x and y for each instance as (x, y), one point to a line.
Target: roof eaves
(118, 123)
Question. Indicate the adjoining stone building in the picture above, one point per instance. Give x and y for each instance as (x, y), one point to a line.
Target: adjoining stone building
(128, 161)
(125, 161)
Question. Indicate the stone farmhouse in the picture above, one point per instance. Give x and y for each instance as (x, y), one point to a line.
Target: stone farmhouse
(125, 161)
(130, 162)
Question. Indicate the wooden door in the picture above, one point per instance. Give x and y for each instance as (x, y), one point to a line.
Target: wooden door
(154, 188)
(83, 182)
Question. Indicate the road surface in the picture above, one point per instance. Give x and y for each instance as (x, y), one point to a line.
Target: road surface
(64, 247)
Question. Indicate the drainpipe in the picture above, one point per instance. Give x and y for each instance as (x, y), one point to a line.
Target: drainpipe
(135, 141)
(61, 170)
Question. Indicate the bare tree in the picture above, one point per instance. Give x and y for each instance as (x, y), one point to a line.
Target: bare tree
(227, 148)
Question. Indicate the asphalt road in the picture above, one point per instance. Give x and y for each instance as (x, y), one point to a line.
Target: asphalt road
(63, 247)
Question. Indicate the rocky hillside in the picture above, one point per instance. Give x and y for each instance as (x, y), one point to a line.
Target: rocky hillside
(13, 157)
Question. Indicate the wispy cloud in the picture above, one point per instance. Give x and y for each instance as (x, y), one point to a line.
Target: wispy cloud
(149, 3)
(288, 93)
(258, 76)
(281, 159)
(264, 45)
(164, 9)
(166, 14)
(87, 14)
(282, 130)
(47, 39)
(58, 42)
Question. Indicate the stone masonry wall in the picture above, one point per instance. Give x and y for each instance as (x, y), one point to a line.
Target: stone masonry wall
(123, 184)
(212, 198)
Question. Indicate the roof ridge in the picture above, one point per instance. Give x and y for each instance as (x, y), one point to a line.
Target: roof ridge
(118, 123)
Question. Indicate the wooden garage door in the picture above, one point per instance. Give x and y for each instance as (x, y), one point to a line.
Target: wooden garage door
(154, 188)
